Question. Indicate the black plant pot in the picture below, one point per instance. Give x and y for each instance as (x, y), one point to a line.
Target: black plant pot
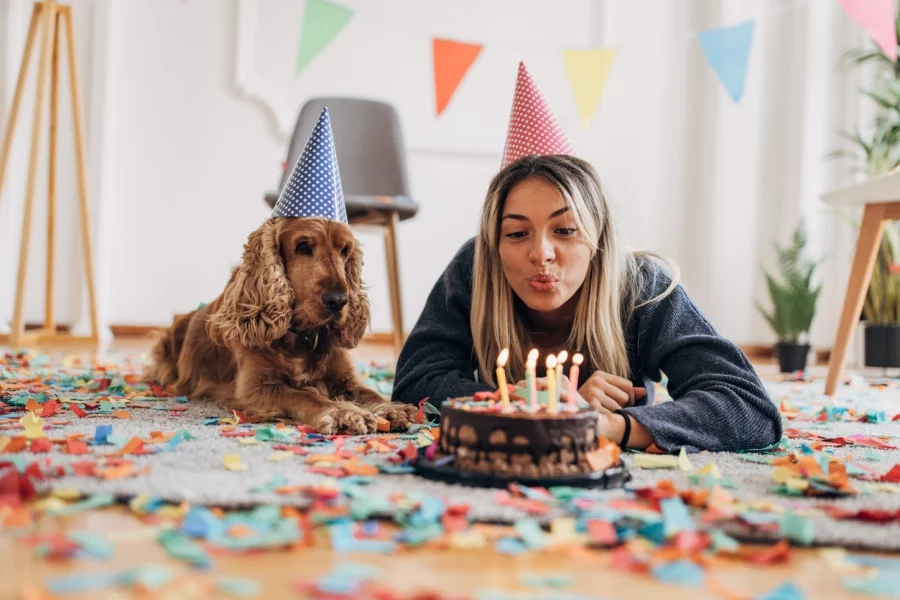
(791, 357)
(882, 345)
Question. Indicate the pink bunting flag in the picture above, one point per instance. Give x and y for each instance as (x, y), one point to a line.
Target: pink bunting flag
(877, 18)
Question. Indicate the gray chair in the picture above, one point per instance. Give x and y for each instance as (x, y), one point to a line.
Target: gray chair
(370, 152)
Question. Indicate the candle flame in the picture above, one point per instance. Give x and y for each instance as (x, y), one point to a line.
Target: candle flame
(562, 356)
(533, 356)
(504, 356)
(551, 362)
(577, 359)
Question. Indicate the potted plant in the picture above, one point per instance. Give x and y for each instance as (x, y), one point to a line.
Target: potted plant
(878, 152)
(793, 300)
(881, 310)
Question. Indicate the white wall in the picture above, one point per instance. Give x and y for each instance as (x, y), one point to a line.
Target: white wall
(181, 159)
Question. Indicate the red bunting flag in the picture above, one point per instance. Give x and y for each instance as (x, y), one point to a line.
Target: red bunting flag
(451, 63)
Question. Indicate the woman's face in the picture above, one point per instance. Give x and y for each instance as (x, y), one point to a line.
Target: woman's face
(545, 259)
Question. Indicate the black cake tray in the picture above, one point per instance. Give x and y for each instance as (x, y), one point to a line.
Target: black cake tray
(614, 477)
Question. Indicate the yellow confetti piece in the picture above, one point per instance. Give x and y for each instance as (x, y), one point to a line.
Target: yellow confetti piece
(783, 474)
(49, 504)
(66, 493)
(4, 440)
(33, 424)
(562, 529)
(466, 540)
(248, 441)
(229, 421)
(138, 504)
(233, 462)
(684, 463)
(797, 484)
(656, 461)
(135, 535)
(280, 455)
(710, 469)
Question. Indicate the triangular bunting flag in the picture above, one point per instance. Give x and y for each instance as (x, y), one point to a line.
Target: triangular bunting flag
(321, 22)
(877, 18)
(451, 63)
(588, 70)
(314, 187)
(727, 50)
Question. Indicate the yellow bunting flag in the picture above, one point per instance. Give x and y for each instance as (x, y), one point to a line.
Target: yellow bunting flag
(588, 70)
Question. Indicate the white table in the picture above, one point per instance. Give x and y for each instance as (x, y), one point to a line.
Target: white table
(880, 197)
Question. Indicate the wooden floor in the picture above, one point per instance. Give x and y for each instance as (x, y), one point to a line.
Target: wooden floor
(428, 567)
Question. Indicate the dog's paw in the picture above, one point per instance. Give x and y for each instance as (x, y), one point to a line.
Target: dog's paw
(350, 420)
(399, 415)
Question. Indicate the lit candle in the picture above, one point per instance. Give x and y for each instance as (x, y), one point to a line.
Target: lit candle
(501, 377)
(551, 383)
(531, 378)
(573, 380)
(560, 359)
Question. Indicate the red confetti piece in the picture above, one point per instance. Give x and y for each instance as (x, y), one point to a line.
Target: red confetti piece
(603, 533)
(420, 416)
(50, 408)
(77, 410)
(76, 447)
(892, 476)
(41, 445)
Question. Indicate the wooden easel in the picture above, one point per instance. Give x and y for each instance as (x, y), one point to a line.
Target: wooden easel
(48, 15)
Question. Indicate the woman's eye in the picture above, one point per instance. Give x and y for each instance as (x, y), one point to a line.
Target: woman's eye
(345, 252)
(304, 248)
(515, 235)
(566, 231)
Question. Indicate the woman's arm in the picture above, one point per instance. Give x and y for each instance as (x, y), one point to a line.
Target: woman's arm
(437, 359)
(719, 402)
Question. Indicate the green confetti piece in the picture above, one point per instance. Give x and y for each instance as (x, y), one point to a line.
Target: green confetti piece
(237, 586)
(97, 501)
(798, 529)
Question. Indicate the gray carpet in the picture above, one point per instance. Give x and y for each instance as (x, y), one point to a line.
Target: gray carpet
(194, 470)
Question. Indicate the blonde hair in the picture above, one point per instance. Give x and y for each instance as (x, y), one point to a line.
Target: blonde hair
(611, 288)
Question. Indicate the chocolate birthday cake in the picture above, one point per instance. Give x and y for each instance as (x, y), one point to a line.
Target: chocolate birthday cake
(516, 440)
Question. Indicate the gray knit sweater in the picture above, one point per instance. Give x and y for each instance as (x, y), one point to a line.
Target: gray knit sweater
(719, 401)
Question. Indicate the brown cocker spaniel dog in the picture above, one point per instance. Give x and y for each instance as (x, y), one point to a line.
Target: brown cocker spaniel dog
(274, 344)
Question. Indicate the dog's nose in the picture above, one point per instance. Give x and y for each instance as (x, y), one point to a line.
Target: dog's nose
(334, 300)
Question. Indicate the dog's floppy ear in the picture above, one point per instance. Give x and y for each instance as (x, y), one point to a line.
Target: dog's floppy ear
(358, 312)
(257, 304)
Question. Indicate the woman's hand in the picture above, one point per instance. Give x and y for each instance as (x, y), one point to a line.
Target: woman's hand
(610, 391)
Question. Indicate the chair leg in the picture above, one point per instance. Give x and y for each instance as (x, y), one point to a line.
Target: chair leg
(390, 246)
(870, 232)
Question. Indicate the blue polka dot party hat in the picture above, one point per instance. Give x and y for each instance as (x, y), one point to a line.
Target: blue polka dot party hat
(314, 187)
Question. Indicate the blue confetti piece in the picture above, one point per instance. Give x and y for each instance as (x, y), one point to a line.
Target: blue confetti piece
(510, 545)
(82, 582)
(181, 399)
(92, 544)
(676, 516)
(682, 572)
(101, 433)
(786, 591)
(882, 583)
(531, 533)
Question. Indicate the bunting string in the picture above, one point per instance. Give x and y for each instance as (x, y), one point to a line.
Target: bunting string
(726, 48)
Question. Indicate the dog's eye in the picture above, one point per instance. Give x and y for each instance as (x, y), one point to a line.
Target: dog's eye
(304, 248)
(345, 252)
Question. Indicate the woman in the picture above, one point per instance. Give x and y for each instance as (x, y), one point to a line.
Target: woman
(547, 270)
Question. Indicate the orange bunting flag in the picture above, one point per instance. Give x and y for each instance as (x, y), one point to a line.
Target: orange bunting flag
(452, 61)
